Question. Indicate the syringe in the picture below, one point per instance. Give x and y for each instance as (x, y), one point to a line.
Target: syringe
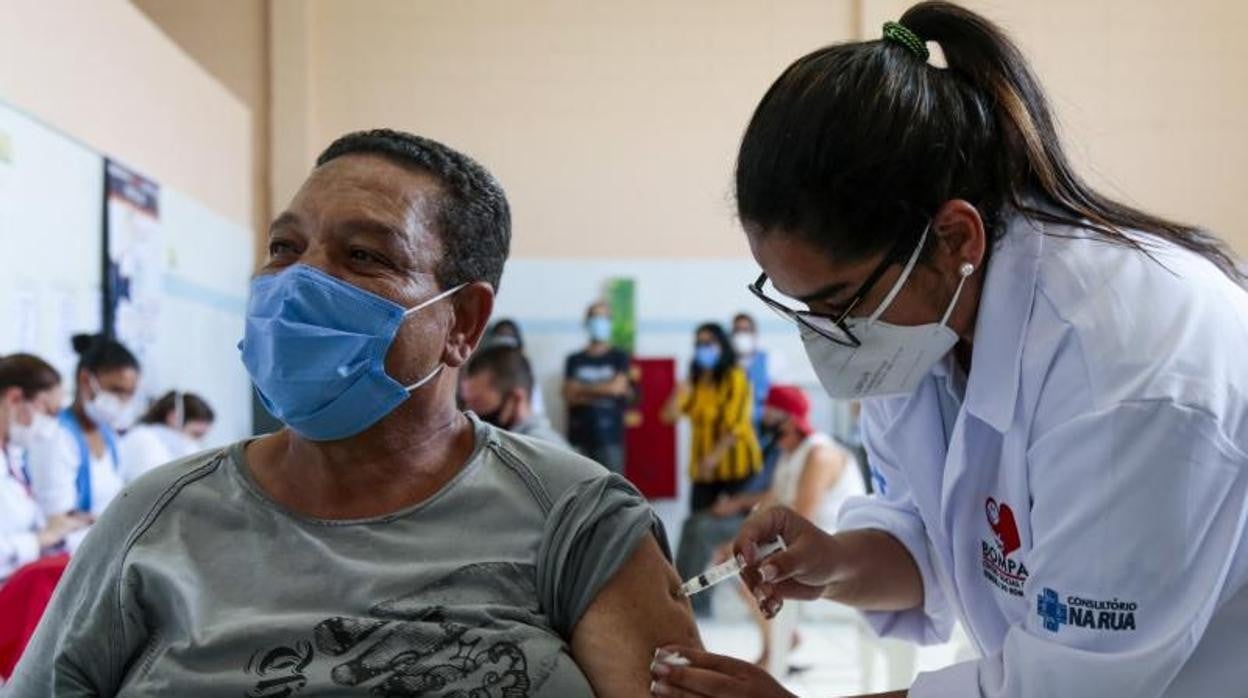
(729, 568)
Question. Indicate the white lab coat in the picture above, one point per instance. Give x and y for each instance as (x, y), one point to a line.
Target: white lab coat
(53, 465)
(148, 446)
(20, 519)
(1080, 506)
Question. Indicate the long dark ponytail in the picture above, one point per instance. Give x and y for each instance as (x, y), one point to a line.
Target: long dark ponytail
(856, 145)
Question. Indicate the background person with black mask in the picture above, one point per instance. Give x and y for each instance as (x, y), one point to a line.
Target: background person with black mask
(498, 387)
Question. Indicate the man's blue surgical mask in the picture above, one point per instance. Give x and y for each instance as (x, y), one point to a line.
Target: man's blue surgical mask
(315, 347)
(599, 328)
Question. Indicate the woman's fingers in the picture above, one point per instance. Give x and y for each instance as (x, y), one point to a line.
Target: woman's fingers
(685, 671)
(789, 589)
(680, 671)
(705, 660)
(761, 526)
(692, 681)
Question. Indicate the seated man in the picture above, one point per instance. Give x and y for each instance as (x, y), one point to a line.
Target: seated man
(498, 386)
(384, 543)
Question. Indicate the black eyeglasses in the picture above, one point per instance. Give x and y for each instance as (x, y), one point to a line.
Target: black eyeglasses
(831, 328)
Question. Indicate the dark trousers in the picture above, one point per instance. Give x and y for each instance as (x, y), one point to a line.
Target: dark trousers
(701, 534)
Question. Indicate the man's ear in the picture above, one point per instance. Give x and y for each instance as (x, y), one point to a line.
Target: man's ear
(471, 311)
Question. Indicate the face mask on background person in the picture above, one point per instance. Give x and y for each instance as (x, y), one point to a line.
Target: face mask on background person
(108, 408)
(706, 356)
(892, 359)
(495, 417)
(744, 343)
(41, 428)
(599, 328)
(315, 347)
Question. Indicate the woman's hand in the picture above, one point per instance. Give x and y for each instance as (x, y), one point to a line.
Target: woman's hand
(676, 402)
(803, 570)
(706, 469)
(724, 507)
(684, 672)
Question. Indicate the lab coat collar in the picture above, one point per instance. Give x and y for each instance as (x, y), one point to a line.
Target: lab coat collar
(1005, 305)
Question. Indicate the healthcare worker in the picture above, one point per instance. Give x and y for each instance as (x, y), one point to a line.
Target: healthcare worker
(30, 392)
(1054, 386)
(78, 469)
(172, 428)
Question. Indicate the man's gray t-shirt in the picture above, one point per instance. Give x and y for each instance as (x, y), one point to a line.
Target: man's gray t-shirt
(196, 583)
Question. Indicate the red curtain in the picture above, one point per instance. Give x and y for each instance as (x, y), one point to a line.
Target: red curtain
(650, 444)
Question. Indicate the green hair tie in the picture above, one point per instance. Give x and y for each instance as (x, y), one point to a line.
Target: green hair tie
(901, 34)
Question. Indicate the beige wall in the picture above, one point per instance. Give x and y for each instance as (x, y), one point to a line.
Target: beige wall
(102, 72)
(1152, 96)
(230, 40)
(612, 125)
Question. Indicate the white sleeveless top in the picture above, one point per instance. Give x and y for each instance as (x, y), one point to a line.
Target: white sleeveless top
(789, 473)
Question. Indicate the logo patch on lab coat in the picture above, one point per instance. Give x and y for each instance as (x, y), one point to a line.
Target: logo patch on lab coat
(1112, 614)
(1006, 573)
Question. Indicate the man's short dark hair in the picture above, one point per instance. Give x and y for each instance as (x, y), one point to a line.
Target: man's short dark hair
(507, 366)
(474, 220)
(747, 318)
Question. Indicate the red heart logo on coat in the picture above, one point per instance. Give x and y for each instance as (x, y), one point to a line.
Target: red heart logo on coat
(1001, 519)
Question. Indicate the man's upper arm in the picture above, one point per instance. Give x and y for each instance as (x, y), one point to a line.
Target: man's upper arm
(640, 609)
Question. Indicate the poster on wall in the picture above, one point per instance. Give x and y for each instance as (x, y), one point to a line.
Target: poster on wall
(621, 297)
(135, 264)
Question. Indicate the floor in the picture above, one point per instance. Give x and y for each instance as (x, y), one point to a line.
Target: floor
(836, 655)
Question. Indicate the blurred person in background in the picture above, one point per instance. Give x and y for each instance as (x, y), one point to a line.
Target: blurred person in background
(30, 396)
(596, 388)
(753, 359)
(724, 452)
(497, 386)
(506, 332)
(78, 469)
(172, 428)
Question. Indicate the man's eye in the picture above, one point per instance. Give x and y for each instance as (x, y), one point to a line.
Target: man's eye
(362, 255)
(280, 247)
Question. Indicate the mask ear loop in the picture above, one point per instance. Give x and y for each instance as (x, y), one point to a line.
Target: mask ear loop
(445, 294)
(901, 280)
(965, 272)
(434, 373)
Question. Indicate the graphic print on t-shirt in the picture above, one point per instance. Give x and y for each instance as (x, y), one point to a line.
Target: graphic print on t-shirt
(444, 639)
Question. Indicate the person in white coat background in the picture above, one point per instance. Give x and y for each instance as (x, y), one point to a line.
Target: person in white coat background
(78, 469)
(1054, 384)
(173, 427)
(30, 393)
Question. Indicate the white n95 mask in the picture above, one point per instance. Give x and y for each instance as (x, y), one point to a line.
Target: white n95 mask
(108, 408)
(41, 428)
(892, 359)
